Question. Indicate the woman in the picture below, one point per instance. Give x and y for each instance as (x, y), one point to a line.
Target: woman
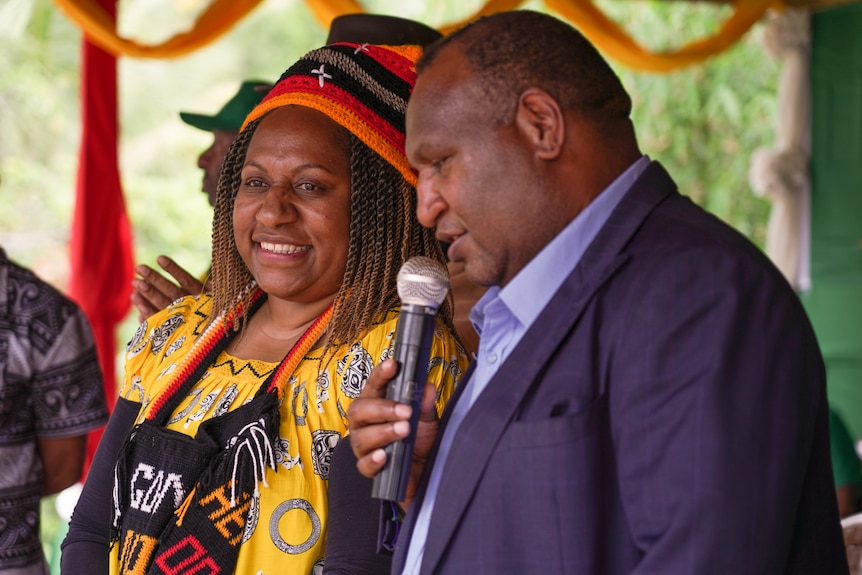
(314, 216)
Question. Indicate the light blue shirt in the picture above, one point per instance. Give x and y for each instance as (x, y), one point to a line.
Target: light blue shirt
(502, 316)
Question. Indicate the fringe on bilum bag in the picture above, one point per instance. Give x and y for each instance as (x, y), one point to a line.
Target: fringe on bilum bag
(194, 502)
(221, 511)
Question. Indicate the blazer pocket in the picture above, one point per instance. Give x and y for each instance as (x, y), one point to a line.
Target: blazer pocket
(559, 430)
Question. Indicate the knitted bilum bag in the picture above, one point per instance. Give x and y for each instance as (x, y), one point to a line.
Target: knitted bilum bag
(181, 503)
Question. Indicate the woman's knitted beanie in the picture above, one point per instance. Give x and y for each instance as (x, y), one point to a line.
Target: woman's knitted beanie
(362, 87)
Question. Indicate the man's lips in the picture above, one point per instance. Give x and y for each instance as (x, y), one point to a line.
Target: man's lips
(454, 242)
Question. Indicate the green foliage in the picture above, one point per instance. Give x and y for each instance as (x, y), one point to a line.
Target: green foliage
(704, 121)
(39, 129)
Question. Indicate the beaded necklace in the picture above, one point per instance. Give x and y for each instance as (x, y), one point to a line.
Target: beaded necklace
(215, 339)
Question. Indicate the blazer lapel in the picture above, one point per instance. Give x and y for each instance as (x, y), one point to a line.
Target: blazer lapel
(485, 424)
(406, 532)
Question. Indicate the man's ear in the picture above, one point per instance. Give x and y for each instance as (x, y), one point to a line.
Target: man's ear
(540, 119)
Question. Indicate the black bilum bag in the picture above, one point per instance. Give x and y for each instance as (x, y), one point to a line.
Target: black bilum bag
(182, 504)
(163, 477)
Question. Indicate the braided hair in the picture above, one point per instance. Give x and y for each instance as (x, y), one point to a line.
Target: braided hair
(384, 233)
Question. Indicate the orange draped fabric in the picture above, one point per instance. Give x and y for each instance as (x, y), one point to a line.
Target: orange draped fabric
(606, 34)
(617, 45)
(99, 27)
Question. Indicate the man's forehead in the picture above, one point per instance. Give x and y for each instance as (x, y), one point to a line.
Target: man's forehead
(428, 113)
(429, 94)
(449, 61)
(445, 80)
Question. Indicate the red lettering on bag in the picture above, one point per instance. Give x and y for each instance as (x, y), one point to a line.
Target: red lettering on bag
(187, 557)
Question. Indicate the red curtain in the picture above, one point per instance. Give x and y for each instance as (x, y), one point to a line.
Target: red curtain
(102, 265)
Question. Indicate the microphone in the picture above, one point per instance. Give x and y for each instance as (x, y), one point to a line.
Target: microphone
(422, 286)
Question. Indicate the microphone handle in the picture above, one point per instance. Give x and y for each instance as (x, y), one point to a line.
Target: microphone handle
(412, 351)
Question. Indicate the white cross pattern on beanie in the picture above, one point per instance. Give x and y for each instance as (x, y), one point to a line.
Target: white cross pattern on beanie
(321, 75)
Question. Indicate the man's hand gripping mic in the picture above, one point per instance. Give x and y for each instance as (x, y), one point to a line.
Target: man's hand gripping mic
(422, 286)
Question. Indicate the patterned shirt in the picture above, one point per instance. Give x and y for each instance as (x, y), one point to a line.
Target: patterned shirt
(286, 528)
(50, 387)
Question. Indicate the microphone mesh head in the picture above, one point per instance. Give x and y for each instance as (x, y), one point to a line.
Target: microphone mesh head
(423, 281)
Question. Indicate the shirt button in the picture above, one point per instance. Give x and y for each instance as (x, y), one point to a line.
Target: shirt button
(492, 358)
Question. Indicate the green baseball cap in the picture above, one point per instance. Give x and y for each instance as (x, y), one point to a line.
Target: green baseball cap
(232, 114)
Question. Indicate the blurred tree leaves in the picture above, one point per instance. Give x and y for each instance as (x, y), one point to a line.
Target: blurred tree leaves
(703, 122)
(39, 128)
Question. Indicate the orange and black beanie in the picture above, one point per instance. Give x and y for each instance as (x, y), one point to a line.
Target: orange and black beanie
(362, 87)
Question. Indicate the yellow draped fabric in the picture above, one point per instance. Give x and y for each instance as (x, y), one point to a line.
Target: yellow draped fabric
(607, 35)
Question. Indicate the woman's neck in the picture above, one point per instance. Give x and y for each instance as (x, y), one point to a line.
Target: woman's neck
(275, 328)
(287, 316)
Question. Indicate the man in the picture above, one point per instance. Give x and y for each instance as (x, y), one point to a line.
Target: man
(152, 291)
(224, 125)
(648, 395)
(50, 398)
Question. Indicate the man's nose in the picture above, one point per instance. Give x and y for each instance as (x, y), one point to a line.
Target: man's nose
(429, 203)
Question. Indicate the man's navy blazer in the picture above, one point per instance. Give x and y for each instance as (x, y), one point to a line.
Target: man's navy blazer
(665, 414)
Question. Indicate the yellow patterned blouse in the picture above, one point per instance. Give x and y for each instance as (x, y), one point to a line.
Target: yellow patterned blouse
(288, 524)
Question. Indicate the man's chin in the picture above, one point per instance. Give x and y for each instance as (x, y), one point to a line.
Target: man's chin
(477, 274)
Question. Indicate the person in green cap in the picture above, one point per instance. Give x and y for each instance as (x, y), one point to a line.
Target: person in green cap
(224, 125)
(152, 290)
